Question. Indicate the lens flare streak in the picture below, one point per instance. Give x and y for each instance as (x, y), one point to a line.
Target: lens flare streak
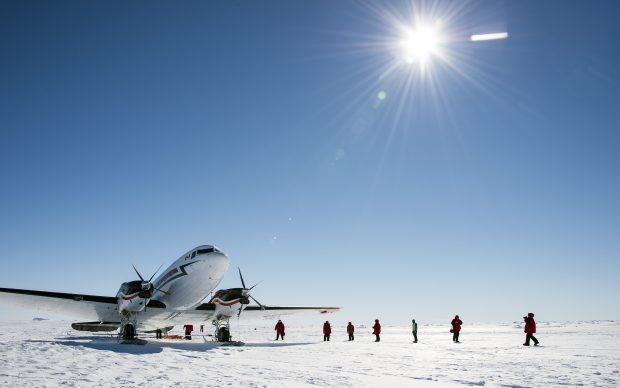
(493, 36)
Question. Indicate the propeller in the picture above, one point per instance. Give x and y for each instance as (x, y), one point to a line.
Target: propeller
(246, 292)
(147, 285)
(243, 283)
(241, 276)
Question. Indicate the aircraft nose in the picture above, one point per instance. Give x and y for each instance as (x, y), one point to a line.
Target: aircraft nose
(218, 257)
(218, 263)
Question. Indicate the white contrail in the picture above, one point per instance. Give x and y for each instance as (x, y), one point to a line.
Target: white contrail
(496, 35)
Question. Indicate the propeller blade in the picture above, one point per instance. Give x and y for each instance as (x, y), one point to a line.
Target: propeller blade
(151, 278)
(241, 307)
(255, 285)
(241, 276)
(140, 276)
(248, 294)
(257, 302)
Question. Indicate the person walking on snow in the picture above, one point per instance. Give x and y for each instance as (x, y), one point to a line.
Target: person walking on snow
(414, 330)
(350, 331)
(456, 328)
(327, 330)
(530, 329)
(377, 330)
(279, 330)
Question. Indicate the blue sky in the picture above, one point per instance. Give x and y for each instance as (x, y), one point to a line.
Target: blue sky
(485, 186)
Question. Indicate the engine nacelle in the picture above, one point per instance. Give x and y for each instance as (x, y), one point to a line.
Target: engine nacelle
(133, 296)
(228, 302)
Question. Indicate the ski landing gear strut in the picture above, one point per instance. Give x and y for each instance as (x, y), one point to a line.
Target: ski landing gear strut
(222, 332)
(222, 329)
(127, 333)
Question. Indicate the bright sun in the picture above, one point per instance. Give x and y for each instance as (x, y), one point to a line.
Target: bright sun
(419, 45)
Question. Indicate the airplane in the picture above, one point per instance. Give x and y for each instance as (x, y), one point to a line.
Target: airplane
(175, 297)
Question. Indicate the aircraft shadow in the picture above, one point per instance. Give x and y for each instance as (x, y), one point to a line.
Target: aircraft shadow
(153, 347)
(274, 345)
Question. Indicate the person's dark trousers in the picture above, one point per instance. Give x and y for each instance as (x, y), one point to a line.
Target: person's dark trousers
(351, 337)
(280, 336)
(455, 337)
(326, 337)
(378, 338)
(527, 339)
(415, 336)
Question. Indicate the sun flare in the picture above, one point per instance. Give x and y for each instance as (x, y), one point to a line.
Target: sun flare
(420, 45)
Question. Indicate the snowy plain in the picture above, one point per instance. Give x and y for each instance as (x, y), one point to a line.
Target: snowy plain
(50, 353)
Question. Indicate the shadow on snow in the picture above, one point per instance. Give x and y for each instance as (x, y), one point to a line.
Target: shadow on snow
(155, 346)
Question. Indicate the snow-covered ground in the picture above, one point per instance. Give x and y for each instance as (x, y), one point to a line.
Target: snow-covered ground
(50, 353)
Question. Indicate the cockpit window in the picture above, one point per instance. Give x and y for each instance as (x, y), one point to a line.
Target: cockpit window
(194, 254)
(205, 250)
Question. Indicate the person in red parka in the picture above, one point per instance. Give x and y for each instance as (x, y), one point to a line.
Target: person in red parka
(279, 330)
(350, 331)
(530, 329)
(327, 330)
(376, 330)
(456, 328)
(188, 331)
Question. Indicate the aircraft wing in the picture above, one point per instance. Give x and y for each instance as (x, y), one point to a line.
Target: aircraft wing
(105, 309)
(272, 311)
(154, 318)
(96, 308)
(93, 307)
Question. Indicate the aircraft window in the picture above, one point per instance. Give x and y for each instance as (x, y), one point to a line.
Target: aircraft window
(194, 254)
(206, 250)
